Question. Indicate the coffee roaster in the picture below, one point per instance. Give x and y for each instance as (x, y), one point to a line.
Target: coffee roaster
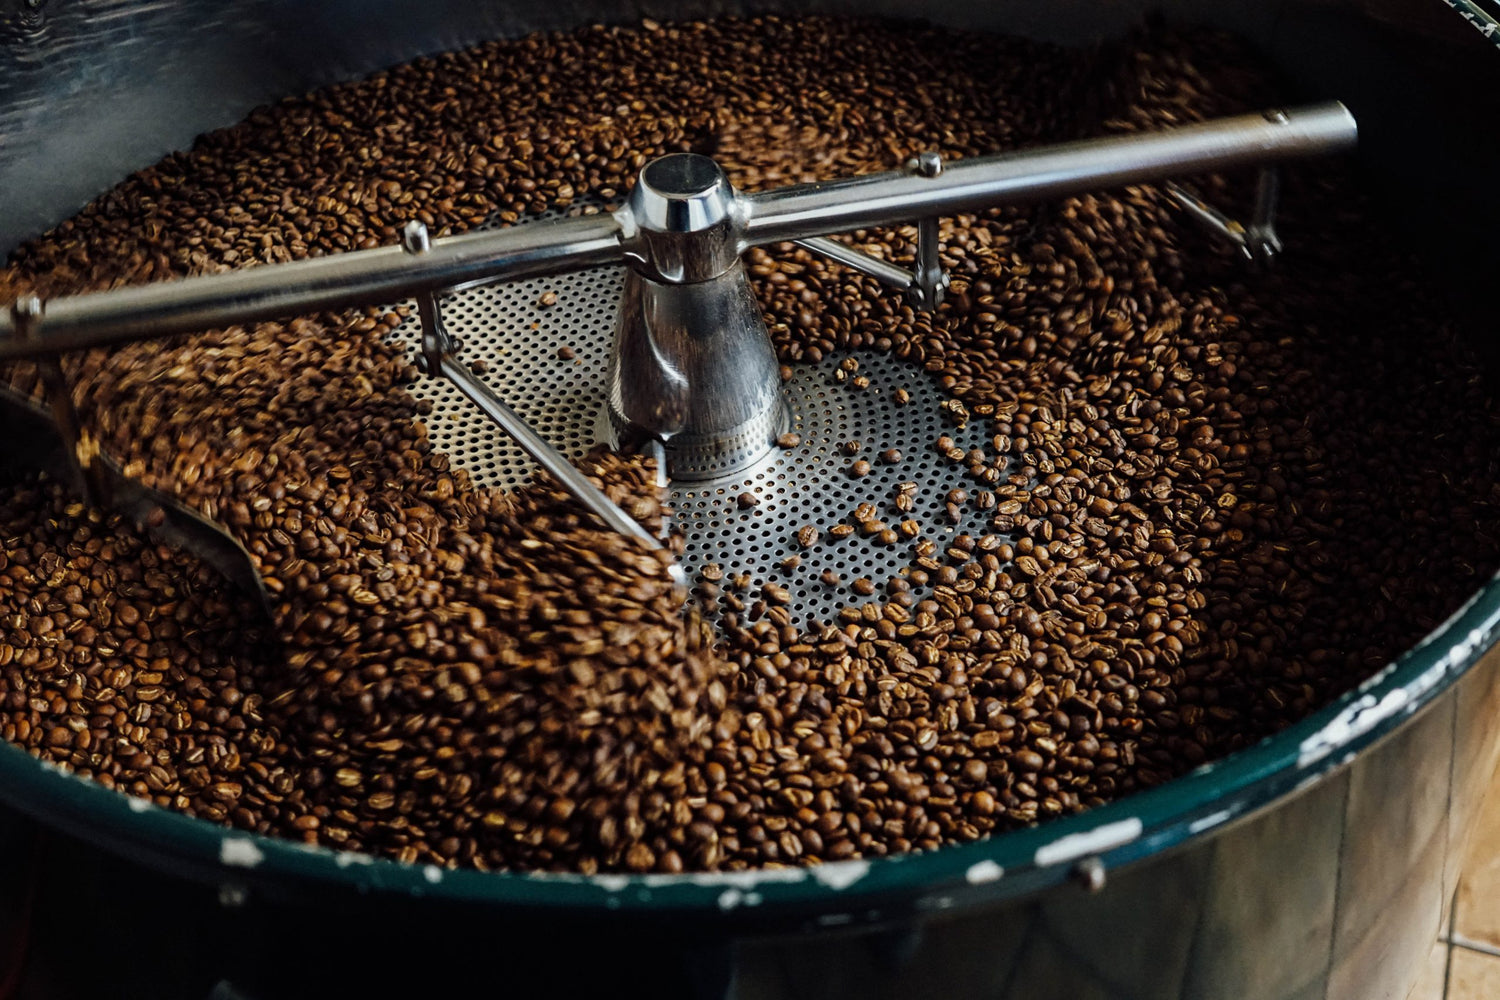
(1315, 864)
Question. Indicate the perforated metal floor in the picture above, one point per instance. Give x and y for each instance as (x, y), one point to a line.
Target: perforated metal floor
(543, 345)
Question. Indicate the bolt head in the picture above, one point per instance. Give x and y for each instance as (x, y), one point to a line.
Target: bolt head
(415, 238)
(681, 193)
(929, 164)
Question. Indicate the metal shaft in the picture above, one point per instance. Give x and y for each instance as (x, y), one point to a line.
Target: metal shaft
(796, 213)
(891, 274)
(275, 291)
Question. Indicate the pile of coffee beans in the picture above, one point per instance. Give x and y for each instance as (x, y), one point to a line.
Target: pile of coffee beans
(1212, 499)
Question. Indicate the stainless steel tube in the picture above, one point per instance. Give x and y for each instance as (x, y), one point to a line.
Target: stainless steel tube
(347, 279)
(797, 213)
(883, 271)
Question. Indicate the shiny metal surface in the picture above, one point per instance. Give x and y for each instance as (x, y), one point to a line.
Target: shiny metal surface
(276, 291)
(550, 363)
(682, 220)
(693, 366)
(883, 271)
(1052, 172)
(931, 281)
(691, 192)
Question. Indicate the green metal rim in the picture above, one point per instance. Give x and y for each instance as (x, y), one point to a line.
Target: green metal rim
(1483, 20)
(1025, 861)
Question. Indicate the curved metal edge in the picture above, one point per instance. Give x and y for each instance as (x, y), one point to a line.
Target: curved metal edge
(833, 894)
(1481, 20)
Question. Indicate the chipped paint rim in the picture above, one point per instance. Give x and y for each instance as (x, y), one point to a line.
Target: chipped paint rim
(833, 894)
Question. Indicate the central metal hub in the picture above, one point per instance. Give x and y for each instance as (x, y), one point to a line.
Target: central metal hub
(545, 343)
(692, 363)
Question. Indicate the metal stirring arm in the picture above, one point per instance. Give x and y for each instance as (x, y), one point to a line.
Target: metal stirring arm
(682, 234)
(366, 277)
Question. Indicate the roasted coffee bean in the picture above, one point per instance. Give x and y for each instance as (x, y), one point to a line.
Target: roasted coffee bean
(789, 440)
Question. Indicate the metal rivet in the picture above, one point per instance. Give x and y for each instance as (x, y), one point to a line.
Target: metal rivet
(1090, 874)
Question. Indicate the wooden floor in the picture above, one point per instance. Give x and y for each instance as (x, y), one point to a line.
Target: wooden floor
(1465, 960)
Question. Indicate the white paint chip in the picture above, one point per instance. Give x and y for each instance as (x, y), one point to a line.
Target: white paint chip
(612, 883)
(983, 871)
(1209, 821)
(432, 873)
(240, 852)
(840, 875)
(1100, 838)
(346, 858)
(729, 899)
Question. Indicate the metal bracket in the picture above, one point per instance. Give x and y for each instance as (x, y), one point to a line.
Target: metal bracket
(931, 281)
(925, 284)
(1258, 241)
(435, 339)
